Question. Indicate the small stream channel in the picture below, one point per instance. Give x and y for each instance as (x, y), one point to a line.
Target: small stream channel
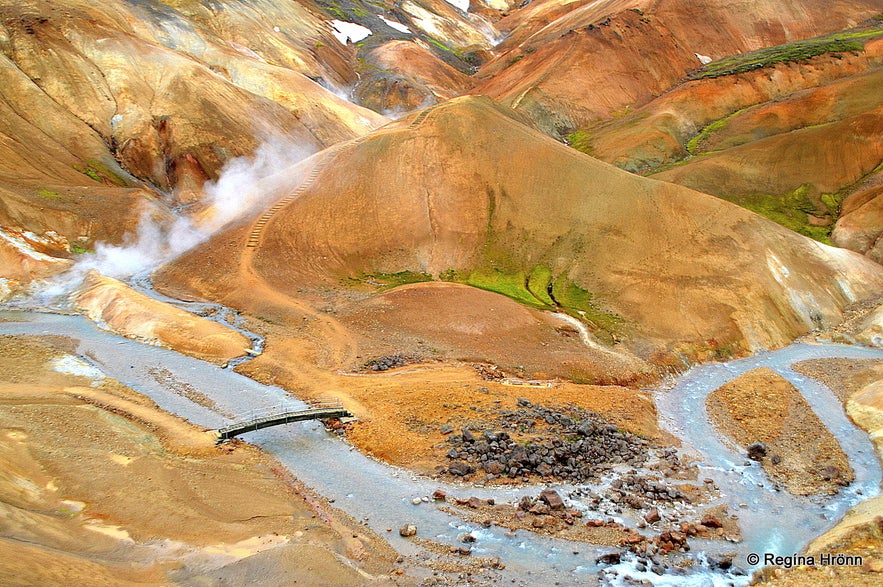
(380, 496)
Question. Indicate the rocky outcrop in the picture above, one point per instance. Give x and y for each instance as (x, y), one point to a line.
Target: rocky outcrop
(113, 109)
(870, 329)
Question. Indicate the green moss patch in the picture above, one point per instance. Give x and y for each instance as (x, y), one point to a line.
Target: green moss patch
(386, 281)
(49, 194)
(791, 210)
(539, 283)
(841, 42)
(581, 303)
(693, 144)
(581, 140)
(511, 285)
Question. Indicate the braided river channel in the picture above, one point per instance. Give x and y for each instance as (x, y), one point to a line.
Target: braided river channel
(380, 496)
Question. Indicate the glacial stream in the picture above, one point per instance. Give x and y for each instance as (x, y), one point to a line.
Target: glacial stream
(380, 496)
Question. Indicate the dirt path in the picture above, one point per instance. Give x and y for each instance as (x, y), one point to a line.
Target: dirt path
(103, 487)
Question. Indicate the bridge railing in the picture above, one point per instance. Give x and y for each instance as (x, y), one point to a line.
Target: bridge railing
(289, 407)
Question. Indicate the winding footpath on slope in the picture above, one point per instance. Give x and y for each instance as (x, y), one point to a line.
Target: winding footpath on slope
(381, 495)
(335, 337)
(325, 157)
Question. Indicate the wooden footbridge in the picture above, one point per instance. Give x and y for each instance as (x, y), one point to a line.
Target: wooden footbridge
(283, 415)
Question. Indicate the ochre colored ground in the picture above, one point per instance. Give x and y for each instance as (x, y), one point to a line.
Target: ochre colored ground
(100, 487)
(762, 406)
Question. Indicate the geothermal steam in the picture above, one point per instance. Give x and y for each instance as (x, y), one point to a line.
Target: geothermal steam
(244, 183)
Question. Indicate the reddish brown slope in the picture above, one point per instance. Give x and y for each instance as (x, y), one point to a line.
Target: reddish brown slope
(789, 140)
(684, 272)
(602, 57)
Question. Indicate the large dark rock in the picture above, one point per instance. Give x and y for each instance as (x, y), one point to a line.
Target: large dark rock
(756, 451)
(552, 499)
(611, 558)
(494, 467)
(461, 469)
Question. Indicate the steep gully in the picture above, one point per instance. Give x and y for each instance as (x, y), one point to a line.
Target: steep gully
(355, 482)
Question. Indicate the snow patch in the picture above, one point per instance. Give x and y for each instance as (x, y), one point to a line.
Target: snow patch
(349, 31)
(396, 25)
(703, 59)
(71, 365)
(461, 4)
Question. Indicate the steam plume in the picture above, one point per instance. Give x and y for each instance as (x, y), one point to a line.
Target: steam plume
(243, 184)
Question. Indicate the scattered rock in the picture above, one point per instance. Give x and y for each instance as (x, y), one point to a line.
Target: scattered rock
(575, 445)
(391, 362)
(460, 469)
(652, 516)
(724, 563)
(408, 530)
(612, 558)
(711, 521)
(540, 509)
(756, 451)
(494, 467)
(552, 499)
(439, 495)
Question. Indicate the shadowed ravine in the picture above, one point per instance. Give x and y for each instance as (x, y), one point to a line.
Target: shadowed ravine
(380, 495)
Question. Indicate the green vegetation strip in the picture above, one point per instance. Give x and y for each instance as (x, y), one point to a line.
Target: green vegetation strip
(791, 209)
(386, 281)
(537, 288)
(842, 42)
(693, 144)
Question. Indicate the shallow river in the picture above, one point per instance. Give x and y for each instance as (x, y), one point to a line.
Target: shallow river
(380, 496)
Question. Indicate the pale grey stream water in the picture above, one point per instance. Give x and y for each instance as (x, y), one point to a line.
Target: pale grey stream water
(380, 495)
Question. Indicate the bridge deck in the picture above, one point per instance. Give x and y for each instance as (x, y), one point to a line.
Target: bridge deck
(281, 418)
